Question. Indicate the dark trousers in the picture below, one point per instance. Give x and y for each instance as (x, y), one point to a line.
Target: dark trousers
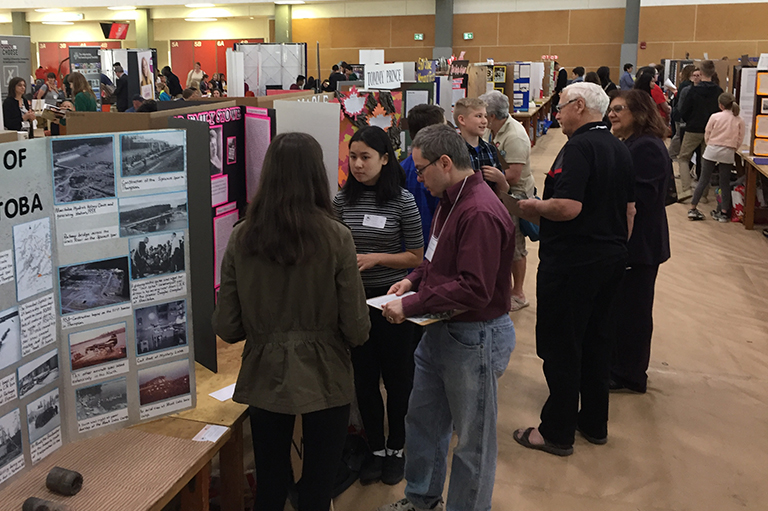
(324, 433)
(574, 338)
(387, 355)
(633, 317)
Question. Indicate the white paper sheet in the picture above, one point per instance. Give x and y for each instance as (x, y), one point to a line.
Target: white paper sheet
(224, 394)
(415, 97)
(427, 319)
(210, 433)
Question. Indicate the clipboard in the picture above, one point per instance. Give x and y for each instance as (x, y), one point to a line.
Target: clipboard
(427, 319)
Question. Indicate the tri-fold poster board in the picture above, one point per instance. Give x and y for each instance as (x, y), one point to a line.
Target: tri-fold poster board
(95, 330)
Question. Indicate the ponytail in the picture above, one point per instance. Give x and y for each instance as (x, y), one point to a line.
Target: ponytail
(729, 103)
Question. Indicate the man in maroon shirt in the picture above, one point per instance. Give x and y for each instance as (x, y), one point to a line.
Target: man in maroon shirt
(466, 275)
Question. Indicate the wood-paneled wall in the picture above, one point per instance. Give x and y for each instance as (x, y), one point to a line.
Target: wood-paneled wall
(588, 37)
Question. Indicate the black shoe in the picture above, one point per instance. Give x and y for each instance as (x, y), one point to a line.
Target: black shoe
(371, 470)
(393, 470)
(591, 439)
(615, 386)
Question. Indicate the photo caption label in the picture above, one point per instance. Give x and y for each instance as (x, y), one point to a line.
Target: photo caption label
(162, 355)
(95, 316)
(46, 445)
(144, 183)
(97, 373)
(38, 324)
(102, 420)
(146, 291)
(88, 236)
(172, 405)
(8, 391)
(93, 208)
(6, 267)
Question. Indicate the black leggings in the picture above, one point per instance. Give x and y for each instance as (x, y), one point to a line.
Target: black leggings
(324, 434)
(387, 355)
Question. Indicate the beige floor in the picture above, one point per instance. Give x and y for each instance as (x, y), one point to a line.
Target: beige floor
(698, 440)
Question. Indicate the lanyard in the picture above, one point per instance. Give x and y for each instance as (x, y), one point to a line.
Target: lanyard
(440, 207)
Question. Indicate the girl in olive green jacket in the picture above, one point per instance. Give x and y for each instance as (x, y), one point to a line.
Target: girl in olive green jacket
(291, 288)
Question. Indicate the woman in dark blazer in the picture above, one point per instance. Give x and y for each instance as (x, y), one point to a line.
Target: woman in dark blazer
(17, 113)
(636, 120)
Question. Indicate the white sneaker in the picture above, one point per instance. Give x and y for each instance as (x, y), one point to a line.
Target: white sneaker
(406, 505)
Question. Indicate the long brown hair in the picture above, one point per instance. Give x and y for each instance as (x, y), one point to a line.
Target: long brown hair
(648, 120)
(287, 219)
(80, 84)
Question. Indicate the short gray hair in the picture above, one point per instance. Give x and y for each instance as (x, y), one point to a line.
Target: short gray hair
(594, 96)
(440, 139)
(118, 68)
(497, 104)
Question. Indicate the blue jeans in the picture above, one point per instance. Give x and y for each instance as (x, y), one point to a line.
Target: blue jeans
(454, 387)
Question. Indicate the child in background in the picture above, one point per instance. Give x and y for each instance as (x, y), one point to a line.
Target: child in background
(723, 135)
(470, 117)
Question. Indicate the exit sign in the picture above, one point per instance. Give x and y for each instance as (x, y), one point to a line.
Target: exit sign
(468, 36)
(418, 37)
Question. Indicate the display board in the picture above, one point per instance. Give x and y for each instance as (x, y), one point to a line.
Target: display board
(273, 65)
(54, 56)
(321, 120)
(95, 333)
(15, 60)
(87, 61)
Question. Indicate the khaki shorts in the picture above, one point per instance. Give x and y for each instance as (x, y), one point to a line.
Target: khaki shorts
(520, 250)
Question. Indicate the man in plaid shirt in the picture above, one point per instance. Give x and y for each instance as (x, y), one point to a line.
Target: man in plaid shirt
(469, 115)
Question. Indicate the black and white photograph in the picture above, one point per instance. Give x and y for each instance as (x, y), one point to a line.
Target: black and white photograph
(152, 153)
(83, 169)
(94, 284)
(10, 437)
(216, 144)
(32, 248)
(163, 382)
(43, 415)
(161, 327)
(153, 213)
(38, 373)
(97, 346)
(764, 106)
(101, 398)
(10, 337)
(158, 254)
(231, 150)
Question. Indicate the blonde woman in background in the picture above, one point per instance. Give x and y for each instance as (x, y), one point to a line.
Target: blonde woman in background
(194, 77)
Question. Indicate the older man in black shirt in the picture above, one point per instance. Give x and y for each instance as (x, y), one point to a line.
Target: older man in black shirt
(586, 218)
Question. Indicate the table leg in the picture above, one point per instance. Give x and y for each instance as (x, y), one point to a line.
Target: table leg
(749, 196)
(196, 495)
(232, 471)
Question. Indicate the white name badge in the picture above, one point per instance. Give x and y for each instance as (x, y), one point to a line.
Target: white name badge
(431, 248)
(376, 221)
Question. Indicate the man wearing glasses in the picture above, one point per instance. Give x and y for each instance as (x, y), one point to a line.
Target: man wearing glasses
(466, 276)
(586, 218)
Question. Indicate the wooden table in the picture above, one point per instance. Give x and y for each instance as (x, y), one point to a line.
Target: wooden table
(531, 118)
(194, 487)
(142, 468)
(751, 170)
(228, 413)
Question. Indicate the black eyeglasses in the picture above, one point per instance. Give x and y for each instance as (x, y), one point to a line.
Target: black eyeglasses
(616, 108)
(560, 107)
(420, 171)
